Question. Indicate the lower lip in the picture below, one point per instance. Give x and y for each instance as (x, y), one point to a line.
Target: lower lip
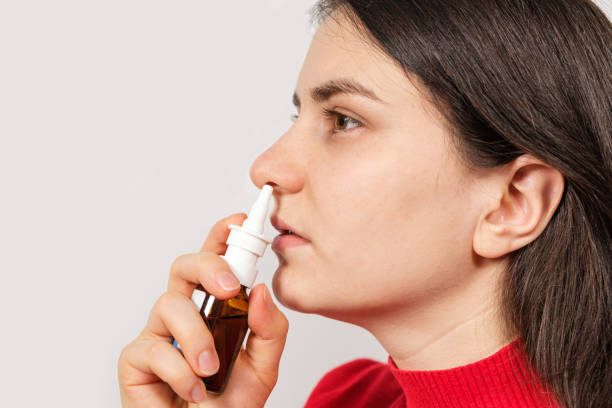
(281, 242)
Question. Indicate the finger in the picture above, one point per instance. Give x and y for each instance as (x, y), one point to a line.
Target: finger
(159, 358)
(207, 269)
(269, 328)
(174, 315)
(215, 241)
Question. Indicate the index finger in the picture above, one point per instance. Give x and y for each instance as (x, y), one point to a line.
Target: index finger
(215, 241)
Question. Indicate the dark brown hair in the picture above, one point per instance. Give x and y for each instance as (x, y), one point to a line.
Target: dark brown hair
(513, 77)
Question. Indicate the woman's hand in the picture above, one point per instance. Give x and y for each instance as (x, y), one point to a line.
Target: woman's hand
(153, 373)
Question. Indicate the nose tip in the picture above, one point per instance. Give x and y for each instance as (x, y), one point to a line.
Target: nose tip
(281, 164)
(260, 172)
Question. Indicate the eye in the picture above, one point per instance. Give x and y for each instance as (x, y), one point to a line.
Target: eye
(341, 121)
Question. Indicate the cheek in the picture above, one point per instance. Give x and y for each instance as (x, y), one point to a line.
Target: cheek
(391, 225)
(359, 208)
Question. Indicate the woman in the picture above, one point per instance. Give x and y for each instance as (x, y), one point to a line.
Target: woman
(450, 171)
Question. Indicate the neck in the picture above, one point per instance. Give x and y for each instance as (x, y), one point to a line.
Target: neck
(455, 328)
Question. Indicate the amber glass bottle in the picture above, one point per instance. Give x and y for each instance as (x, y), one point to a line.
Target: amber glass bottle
(227, 321)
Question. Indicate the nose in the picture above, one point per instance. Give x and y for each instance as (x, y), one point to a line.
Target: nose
(281, 165)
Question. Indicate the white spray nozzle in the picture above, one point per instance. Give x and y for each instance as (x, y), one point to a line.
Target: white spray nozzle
(246, 243)
(257, 216)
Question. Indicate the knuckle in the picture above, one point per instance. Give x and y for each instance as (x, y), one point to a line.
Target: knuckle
(166, 300)
(123, 357)
(123, 364)
(176, 264)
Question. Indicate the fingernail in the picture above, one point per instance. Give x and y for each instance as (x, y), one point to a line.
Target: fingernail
(228, 281)
(207, 363)
(198, 394)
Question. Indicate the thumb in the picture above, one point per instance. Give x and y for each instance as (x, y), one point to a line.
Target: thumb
(269, 327)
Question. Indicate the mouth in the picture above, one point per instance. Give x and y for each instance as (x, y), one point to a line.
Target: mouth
(284, 241)
(285, 229)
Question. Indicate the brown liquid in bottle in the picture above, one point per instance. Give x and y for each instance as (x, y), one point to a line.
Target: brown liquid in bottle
(227, 321)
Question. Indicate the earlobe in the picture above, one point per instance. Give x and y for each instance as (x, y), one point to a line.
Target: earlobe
(528, 192)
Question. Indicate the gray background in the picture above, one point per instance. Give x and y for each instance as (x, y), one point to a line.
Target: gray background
(127, 130)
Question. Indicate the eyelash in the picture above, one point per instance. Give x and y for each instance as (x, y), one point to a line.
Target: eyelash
(332, 114)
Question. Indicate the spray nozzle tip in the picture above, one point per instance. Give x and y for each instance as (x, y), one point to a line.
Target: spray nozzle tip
(257, 216)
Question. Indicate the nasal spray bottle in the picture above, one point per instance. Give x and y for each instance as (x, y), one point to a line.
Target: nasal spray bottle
(227, 320)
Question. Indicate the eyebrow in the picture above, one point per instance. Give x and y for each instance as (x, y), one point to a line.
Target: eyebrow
(333, 87)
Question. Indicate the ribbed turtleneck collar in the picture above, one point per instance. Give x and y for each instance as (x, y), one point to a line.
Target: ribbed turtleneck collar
(503, 379)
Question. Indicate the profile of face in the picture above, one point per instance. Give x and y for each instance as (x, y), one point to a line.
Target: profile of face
(376, 187)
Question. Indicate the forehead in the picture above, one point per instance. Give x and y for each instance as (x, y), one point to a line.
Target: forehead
(338, 51)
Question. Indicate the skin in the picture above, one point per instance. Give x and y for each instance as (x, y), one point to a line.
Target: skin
(152, 373)
(406, 241)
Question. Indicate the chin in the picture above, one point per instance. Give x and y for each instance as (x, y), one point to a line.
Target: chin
(290, 293)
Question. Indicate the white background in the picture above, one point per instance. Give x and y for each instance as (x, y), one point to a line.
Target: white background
(127, 130)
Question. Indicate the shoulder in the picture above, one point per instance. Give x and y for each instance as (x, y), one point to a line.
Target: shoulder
(358, 383)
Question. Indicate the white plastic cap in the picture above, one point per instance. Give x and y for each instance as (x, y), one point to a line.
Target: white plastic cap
(246, 243)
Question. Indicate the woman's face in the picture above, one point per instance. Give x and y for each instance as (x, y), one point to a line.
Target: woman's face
(378, 190)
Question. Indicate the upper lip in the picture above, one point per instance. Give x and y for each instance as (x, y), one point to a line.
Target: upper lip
(282, 226)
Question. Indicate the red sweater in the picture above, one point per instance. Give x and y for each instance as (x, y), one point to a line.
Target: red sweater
(501, 380)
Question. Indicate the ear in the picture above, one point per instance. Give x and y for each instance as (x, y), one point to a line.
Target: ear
(526, 193)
